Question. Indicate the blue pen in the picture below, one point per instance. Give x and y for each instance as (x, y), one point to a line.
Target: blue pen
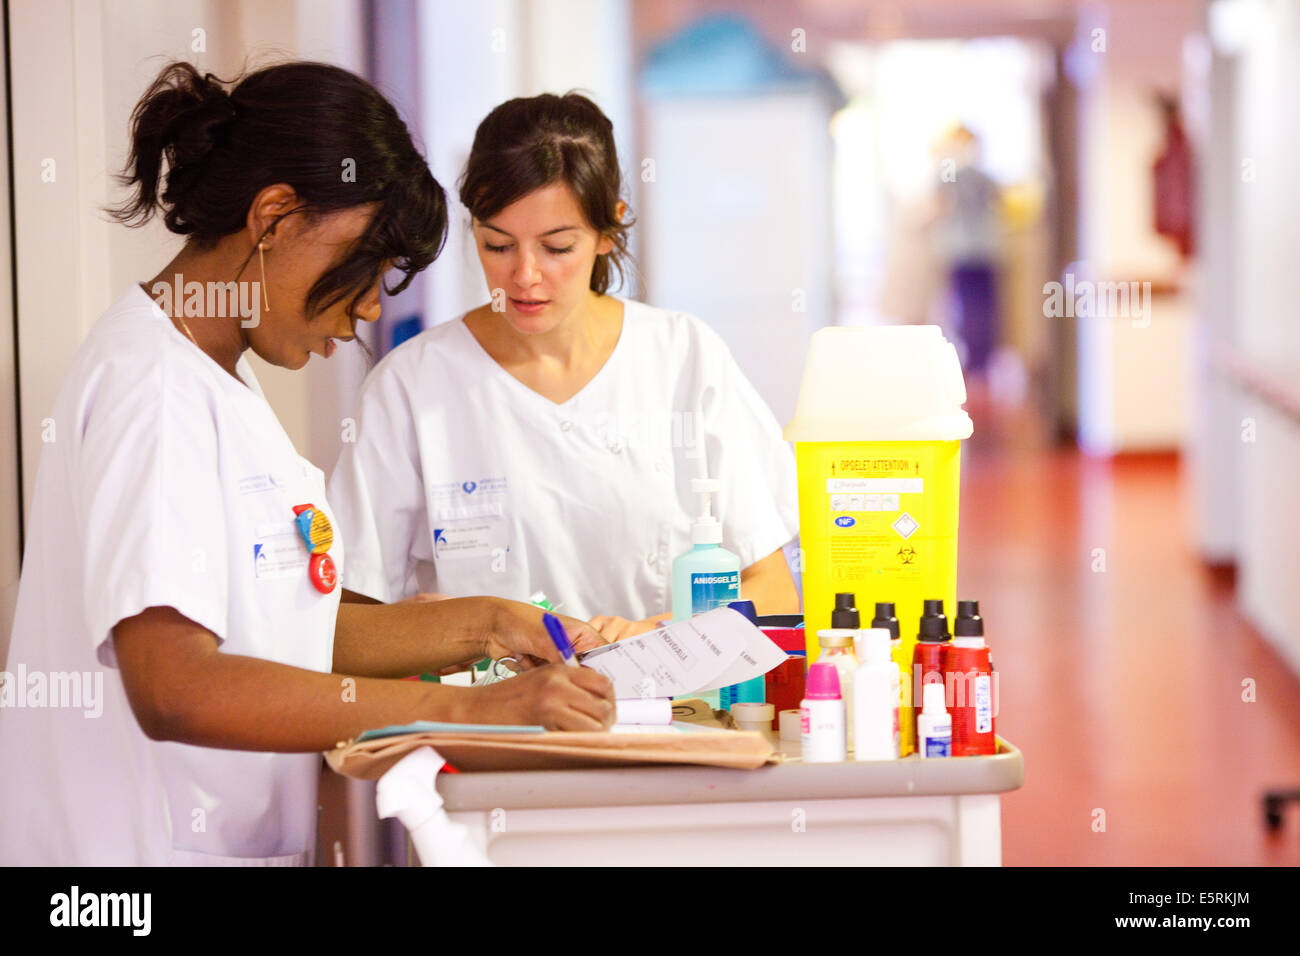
(556, 630)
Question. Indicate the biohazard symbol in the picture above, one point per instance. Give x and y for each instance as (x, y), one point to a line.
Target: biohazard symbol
(907, 555)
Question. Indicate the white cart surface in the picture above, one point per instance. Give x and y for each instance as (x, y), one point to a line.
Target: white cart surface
(942, 812)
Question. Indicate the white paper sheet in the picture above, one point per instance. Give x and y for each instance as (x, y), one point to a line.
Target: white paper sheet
(643, 710)
(709, 650)
(755, 658)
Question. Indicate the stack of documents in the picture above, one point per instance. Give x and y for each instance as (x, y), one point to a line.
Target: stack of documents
(706, 652)
(709, 651)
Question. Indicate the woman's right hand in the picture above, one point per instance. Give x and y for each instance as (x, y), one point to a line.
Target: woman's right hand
(556, 696)
(613, 628)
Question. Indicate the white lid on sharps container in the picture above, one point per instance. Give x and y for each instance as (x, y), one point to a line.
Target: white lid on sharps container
(880, 383)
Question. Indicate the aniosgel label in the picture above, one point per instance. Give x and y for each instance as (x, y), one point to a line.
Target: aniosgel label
(710, 589)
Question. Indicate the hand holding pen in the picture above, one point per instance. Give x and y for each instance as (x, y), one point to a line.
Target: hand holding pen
(568, 697)
(560, 638)
(517, 630)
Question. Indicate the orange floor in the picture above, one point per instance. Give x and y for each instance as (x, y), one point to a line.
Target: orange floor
(1122, 687)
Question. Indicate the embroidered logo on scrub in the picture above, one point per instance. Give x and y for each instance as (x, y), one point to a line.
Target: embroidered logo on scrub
(469, 518)
(277, 553)
(452, 493)
(471, 538)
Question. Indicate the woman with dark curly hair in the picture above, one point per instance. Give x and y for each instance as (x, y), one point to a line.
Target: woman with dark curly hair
(181, 571)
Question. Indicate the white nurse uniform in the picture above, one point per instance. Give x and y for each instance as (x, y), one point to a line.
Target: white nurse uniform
(163, 482)
(465, 481)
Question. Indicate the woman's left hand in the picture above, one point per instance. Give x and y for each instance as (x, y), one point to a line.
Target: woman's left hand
(613, 628)
(517, 631)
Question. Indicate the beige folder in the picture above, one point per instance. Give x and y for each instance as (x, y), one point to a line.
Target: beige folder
(557, 750)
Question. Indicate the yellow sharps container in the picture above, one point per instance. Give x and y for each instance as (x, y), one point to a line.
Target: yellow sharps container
(877, 435)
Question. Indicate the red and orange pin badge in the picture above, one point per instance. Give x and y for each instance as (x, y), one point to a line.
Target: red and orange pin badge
(318, 534)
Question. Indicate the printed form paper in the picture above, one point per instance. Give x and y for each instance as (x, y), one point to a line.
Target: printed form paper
(710, 650)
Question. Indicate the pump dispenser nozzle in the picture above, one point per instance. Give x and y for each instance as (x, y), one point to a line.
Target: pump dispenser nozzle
(707, 529)
(885, 618)
(968, 623)
(845, 615)
(934, 623)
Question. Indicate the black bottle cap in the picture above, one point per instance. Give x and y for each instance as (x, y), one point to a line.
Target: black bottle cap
(885, 618)
(934, 623)
(780, 620)
(845, 614)
(968, 623)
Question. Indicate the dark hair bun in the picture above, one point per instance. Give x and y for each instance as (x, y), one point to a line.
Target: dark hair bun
(198, 128)
(180, 119)
(200, 155)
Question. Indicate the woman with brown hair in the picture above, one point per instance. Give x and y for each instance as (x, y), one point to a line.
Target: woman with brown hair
(547, 439)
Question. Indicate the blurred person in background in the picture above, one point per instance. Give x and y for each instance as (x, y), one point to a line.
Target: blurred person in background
(968, 236)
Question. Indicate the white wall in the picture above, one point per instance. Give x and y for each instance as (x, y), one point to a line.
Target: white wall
(58, 149)
(1216, 418)
(1245, 449)
(1132, 375)
(737, 225)
(1267, 335)
(10, 505)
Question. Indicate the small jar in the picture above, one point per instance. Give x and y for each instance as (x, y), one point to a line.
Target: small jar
(754, 716)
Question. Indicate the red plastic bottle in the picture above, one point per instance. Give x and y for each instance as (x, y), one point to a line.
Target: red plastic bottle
(968, 675)
(930, 653)
(784, 684)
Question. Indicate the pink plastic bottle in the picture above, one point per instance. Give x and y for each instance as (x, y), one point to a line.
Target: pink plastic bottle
(825, 736)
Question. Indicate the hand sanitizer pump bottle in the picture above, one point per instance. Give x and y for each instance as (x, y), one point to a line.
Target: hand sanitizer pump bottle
(708, 575)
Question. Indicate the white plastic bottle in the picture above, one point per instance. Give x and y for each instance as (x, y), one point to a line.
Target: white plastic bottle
(824, 738)
(875, 699)
(933, 724)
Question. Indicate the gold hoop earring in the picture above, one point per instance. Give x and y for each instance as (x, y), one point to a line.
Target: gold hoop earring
(266, 303)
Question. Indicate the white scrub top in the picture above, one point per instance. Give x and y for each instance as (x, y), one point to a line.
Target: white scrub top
(465, 481)
(163, 482)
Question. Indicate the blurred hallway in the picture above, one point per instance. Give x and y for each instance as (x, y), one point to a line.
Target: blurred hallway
(1122, 686)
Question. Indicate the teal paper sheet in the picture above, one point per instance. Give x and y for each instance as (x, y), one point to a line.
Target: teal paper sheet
(437, 727)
